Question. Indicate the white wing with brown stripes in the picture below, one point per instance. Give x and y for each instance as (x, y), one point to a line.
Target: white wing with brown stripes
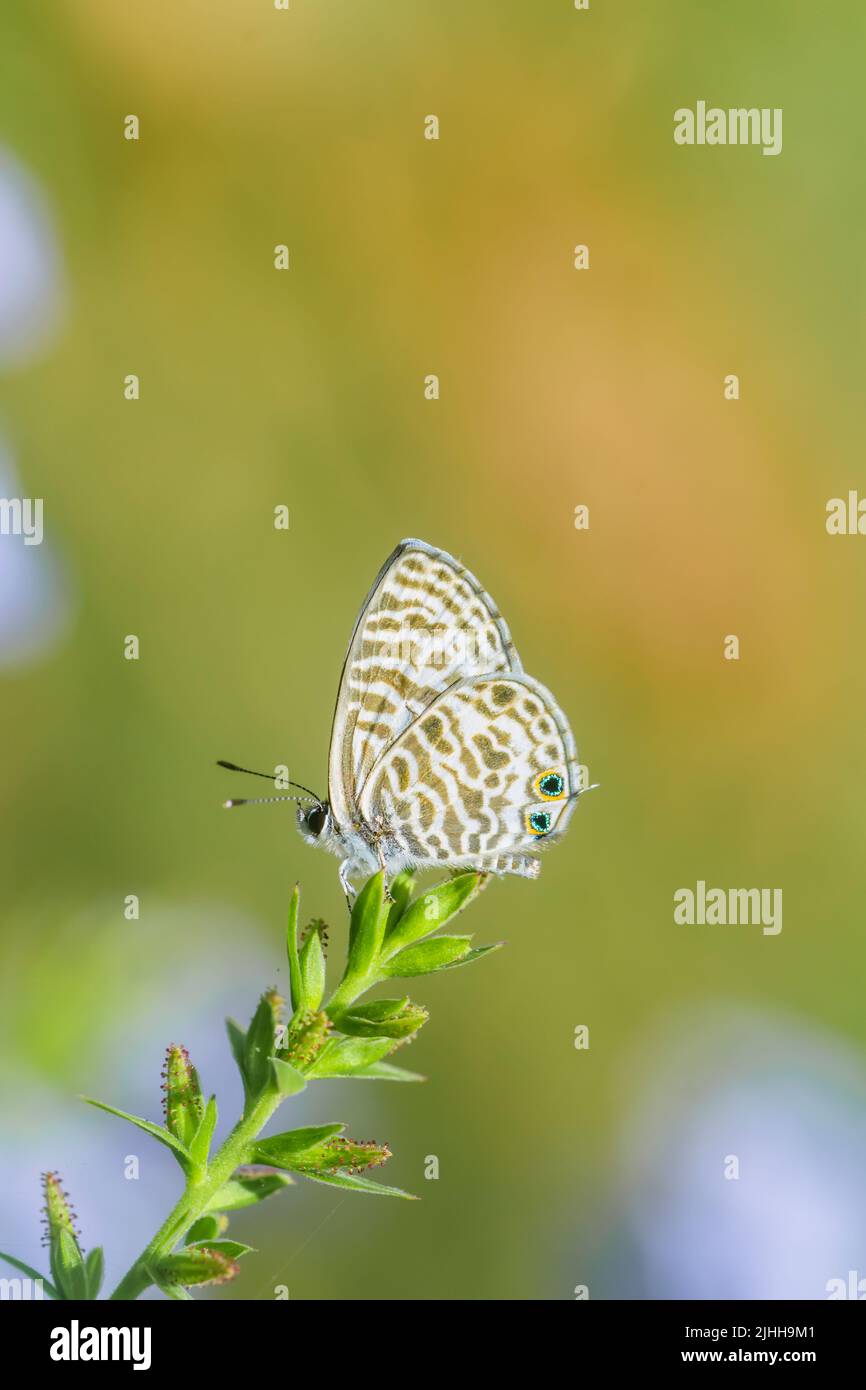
(426, 626)
(482, 778)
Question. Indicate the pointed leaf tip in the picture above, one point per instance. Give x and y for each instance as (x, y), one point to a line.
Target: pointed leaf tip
(430, 912)
(159, 1132)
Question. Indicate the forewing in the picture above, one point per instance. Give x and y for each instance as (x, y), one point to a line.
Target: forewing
(488, 770)
(426, 625)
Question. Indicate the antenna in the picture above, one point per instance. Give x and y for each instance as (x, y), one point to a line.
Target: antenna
(260, 801)
(233, 767)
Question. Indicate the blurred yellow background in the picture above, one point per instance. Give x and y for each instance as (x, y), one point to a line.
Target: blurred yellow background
(558, 388)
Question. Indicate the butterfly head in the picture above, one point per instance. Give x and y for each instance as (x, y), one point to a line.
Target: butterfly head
(315, 823)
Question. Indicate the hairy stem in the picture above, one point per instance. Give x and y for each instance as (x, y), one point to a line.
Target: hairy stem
(234, 1152)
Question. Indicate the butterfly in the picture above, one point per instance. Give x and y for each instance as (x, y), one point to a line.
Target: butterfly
(444, 753)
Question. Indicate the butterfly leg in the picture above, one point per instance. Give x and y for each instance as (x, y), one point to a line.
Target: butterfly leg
(380, 855)
(346, 867)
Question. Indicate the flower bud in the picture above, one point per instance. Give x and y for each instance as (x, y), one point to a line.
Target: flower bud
(67, 1262)
(308, 1032)
(184, 1104)
(195, 1264)
(385, 1018)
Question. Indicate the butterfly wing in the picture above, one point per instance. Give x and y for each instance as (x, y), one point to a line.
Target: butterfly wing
(488, 771)
(425, 625)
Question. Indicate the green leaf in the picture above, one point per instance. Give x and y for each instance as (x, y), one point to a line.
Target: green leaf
(94, 1269)
(287, 1079)
(67, 1265)
(386, 1018)
(428, 956)
(201, 1141)
(430, 912)
(357, 1184)
(281, 1150)
(31, 1273)
(367, 927)
(175, 1291)
(311, 964)
(292, 949)
(234, 1249)
(380, 1010)
(238, 1042)
(259, 1045)
(345, 1056)
(206, 1228)
(474, 954)
(401, 888)
(156, 1131)
(284, 1150)
(386, 1071)
(245, 1189)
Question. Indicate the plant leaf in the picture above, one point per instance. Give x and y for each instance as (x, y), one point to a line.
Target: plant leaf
(292, 949)
(287, 1079)
(175, 1291)
(475, 954)
(357, 1184)
(345, 1056)
(367, 927)
(311, 964)
(284, 1150)
(200, 1146)
(259, 1045)
(430, 912)
(156, 1131)
(428, 956)
(67, 1265)
(246, 1189)
(380, 1009)
(31, 1273)
(206, 1228)
(238, 1042)
(386, 1071)
(401, 888)
(94, 1269)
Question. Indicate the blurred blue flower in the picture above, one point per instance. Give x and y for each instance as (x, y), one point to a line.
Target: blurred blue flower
(30, 285)
(780, 1102)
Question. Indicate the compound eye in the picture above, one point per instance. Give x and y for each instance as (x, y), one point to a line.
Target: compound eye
(316, 820)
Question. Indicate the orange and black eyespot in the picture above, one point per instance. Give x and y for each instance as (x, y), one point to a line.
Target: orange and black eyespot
(539, 822)
(550, 786)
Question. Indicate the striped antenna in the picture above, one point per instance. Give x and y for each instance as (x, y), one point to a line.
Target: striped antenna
(233, 767)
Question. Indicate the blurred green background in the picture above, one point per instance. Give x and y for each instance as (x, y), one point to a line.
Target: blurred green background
(305, 388)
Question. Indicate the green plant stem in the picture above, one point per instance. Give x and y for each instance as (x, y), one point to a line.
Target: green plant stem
(347, 992)
(234, 1153)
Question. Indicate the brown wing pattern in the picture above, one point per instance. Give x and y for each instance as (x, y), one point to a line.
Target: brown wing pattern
(426, 625)
(489, 769)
